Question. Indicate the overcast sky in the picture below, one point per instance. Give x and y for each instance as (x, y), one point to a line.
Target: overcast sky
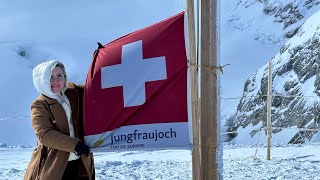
(64, 30)
(69, 30)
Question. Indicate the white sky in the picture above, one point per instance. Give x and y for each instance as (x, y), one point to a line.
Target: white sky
(69, 30)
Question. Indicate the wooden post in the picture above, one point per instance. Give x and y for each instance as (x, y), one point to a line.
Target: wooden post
(269, 110)
(194, 91)
(209, 117)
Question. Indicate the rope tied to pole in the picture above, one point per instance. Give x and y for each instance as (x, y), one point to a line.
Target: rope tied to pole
(211, 67)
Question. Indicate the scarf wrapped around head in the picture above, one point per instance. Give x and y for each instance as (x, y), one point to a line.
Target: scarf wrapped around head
(41, 78)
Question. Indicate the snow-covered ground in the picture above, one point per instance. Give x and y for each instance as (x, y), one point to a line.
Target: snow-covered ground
(300, 162)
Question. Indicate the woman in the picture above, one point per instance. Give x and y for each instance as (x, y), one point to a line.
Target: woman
(57, 122)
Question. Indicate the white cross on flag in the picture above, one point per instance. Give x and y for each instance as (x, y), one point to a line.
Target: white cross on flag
(136, 91)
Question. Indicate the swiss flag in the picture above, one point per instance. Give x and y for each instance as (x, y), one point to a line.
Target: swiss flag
(139, 79)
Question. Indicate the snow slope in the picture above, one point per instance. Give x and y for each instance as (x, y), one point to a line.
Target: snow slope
(288, 162)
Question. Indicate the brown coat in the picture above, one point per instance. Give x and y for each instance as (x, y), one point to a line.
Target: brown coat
(49, 121)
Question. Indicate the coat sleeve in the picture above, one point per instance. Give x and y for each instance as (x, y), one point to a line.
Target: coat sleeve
(46, 133)
(81, 89)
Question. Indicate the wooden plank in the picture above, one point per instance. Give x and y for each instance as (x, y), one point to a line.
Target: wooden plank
(269, 97)
(194, 91)
(209, 108)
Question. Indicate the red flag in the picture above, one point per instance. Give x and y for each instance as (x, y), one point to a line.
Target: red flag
(136, 90)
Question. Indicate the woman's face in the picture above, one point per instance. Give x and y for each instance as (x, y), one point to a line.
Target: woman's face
(57, 80)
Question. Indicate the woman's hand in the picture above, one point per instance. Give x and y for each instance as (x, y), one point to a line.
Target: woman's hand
(81, 149)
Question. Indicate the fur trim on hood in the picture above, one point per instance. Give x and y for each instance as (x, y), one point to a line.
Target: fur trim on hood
(41, 78)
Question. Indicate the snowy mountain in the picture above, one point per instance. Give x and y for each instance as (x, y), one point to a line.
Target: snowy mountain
(295, 77)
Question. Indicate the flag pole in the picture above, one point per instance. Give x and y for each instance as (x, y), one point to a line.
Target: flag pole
(209, 108)
(194, 91)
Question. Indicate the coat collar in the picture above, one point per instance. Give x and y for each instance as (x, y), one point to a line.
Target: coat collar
(49, 100)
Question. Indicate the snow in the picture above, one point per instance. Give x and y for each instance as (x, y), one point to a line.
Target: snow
(287, 162)
(292, 162)
(279, 82)
(313, 97)
(259, 75)
(249, 40)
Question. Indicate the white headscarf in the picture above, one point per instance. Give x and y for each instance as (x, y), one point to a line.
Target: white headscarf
(41, 78)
